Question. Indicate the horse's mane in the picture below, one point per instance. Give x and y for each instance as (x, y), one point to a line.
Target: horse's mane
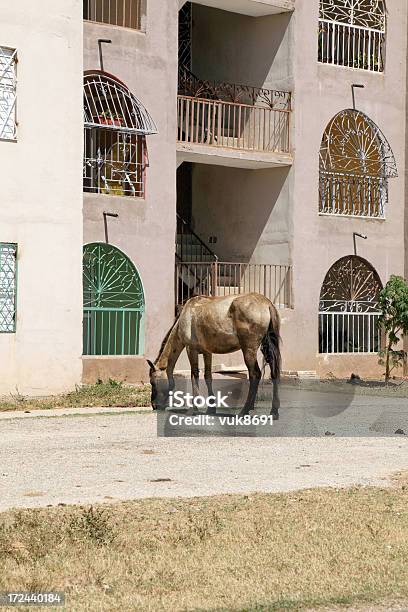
(166, 337)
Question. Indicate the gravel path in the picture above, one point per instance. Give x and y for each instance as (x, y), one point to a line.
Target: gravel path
(86, 459)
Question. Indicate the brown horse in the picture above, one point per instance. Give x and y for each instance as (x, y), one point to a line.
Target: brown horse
(220, 325)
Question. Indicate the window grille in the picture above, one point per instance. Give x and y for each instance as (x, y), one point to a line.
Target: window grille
(8, 287)
(349, 310)
(116, 125)
(114, 303)
(114, 163)
(123, 13)
(352, 33)
(356, 162)
(8, 82)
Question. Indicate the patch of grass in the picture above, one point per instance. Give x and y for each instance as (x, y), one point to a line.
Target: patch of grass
(324, 548)
(111, 393)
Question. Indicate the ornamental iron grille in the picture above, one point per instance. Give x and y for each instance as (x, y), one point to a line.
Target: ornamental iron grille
(8, 287)
(8, 84)
(356, 162)
(185, 28)
(349, 309)
(116, 126)
(352, 33)
(190, 85)
(123, 13)
(114, 303)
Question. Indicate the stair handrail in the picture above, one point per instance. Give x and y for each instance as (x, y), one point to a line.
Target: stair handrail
(202, 244)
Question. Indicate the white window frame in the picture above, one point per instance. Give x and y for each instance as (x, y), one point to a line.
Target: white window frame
(8, 93)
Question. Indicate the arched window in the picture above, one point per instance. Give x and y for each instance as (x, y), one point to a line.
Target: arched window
(356, 162)
(352, 33)
(348, 309)
(114, 303)
(116, 126)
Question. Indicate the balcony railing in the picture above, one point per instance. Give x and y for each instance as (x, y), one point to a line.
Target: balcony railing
(233, 116)
(123, 13)
(222, 279)
(352, 46)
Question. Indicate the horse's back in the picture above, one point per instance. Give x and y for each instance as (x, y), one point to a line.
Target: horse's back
(215, 324)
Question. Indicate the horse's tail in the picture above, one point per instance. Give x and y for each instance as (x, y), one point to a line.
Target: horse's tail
(270, 345)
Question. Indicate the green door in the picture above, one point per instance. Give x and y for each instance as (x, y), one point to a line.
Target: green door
(114, 303)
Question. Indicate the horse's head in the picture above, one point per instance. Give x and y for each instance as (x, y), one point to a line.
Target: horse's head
(160, 387)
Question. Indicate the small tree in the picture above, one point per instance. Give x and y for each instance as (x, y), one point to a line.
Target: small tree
(393, 321)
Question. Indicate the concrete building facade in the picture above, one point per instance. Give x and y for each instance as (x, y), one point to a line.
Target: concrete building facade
(230, 146)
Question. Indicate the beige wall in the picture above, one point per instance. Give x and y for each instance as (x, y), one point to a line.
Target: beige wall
(320, 92)
(41, 199)
(272, 215)
(145, 228)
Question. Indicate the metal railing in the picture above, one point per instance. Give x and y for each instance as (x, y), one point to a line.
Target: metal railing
(232, 125)
(345, 332)
(223, 278)
(189, 246)
(352, 46)
(124, 13)
(191, 86)
(113, 331)
(359, 196)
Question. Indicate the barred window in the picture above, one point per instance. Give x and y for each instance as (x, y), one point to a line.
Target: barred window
(352, 33)
(123, 13)
(116, 126)
(114, 303)
(356, 162)
(8, 288)
(349, 310)
(8, 60)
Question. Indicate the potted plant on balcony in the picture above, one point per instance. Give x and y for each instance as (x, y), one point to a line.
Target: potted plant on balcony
(110, 118)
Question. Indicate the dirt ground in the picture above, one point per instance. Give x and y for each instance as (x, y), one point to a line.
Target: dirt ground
(96, 458)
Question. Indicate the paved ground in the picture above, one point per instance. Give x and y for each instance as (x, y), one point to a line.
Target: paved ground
(96, 458)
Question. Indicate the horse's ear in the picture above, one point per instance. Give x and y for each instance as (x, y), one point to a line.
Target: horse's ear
(151, 365)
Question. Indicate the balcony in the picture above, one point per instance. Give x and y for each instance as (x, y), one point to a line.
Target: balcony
(253, 8)
(232, 125)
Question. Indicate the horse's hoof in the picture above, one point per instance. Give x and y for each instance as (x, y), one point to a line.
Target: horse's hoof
(275, 417)
(192, 412)
(243, 413)
(211, 411)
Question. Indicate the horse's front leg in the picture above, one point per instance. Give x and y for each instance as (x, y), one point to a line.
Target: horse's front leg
(208, 380)
(254, 374)
(195, 375)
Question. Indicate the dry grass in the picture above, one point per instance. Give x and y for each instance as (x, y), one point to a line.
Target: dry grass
(111, 393)
(318, 548)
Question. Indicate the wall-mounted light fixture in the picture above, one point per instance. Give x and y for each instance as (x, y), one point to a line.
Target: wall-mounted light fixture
(102, 41)
(357, 235)
(353, 87)
(105, 223)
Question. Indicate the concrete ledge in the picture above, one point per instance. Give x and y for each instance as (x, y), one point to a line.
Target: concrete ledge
(254, 8)
(234, 158)
(125, 369)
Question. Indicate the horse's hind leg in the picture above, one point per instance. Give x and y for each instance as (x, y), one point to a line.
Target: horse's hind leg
(254, 374)
(208, 380)
(195, 374)
(275, 400)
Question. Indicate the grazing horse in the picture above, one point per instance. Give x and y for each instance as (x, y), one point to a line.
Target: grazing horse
(220, 325)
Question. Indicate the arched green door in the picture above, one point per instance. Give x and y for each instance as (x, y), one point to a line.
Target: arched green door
(113, 303)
